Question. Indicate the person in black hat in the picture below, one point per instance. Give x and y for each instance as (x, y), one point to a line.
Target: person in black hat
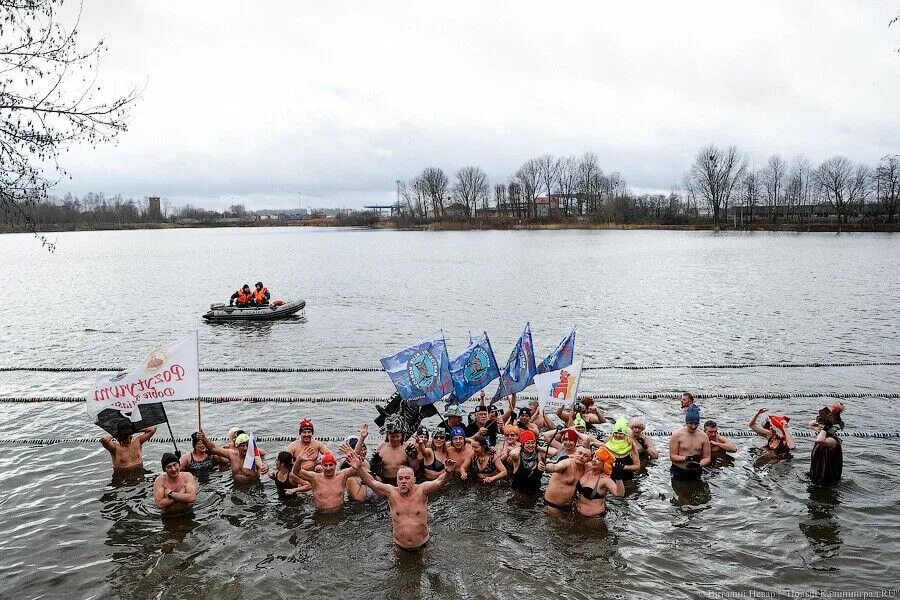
(174, 491)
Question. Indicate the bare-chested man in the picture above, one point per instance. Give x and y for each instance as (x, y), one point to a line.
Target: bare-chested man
(408, 502)
(719, 445)
(391, 454)
(459, 452)
(689, 448)
(236, 457)
(174, 491)
(564, 476)
(305, 449)
(327, 486)
(125, 448)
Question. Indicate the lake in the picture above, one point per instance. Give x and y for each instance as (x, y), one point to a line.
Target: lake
(636, 297)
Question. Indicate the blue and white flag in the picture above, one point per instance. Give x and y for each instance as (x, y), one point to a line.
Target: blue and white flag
(561, 357)
(472, 370)
(520, 368)
(421, 373)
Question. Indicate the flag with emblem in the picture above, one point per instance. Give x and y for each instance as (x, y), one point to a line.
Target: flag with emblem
(561, 357)
(421, 373)
(520, 368)
(473, 369)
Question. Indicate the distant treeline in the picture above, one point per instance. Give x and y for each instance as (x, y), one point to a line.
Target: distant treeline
(95, 210)
(722, 187)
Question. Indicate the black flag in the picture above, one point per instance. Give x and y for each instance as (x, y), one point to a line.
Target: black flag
(113, 421)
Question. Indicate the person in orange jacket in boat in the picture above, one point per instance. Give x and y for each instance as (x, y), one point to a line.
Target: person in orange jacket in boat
(259, 296)
(242, 297)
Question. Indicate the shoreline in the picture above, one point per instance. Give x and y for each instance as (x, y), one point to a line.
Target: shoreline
(478, 225)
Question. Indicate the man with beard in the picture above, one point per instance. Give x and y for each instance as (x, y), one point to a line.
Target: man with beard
(408, 502)
(689, 449)
(390, 454)
(174, 491)
(328, 486)
(236, 457)
(125, 449)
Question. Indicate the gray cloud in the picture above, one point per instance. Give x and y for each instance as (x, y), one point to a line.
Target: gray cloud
(337, 101)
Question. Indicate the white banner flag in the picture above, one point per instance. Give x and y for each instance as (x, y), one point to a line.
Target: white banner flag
(169, 373)
(558, 388)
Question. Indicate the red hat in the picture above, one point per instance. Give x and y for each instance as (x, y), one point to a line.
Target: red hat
(779, 422)
(527, 436)
(306, 424)
(837, 408)
(328, 459)
(570, 434)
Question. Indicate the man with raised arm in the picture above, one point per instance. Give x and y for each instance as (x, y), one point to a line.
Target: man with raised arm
(125, 449)
(407, 500)
(236, 457)
(327, 486)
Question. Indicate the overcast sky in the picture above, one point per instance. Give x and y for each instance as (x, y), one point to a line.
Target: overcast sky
(331, 102)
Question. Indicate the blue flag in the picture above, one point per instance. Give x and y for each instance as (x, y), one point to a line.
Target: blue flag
(520, 368)
(421, 373)
(561, 357)
(473, 369)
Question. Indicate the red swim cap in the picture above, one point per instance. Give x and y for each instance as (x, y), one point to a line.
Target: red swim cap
(328, 459)
(837, 408)
(306, 424)
(527, 436)
(570, 434)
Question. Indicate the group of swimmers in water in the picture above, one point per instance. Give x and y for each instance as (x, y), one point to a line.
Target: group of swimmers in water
(519, 445)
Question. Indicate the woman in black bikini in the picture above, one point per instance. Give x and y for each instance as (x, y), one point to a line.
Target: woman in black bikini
(198, 461)
(592, 487)
(486, 466)
(282, 475)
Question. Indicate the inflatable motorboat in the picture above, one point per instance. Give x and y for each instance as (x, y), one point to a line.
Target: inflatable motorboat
(225, 312)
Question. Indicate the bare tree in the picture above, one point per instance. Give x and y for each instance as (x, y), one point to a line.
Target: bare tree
(48, 101)
(797, 188)
(500, 197)
(514, 197)
(887, 184)
(749, 194)
(529, 178)
(842, 185)
(238, 211)
(714, 174)
(435, 186)
(471, 187)
(568, 181)
(548, 166)
(773, 181)
(589, 174)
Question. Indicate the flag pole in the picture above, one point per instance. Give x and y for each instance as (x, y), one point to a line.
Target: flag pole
(199, 424)
(169, 425)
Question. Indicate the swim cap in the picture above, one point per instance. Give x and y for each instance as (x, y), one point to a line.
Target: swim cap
(328, 459)
(605, 457)
(578, 422)
(527, 436)
(622, 426)
(453, 411)
(233, 431)
(779, 422)
(352, 441)
(837, 408)
(457, 432)
(423, 431)
(510, 429)
(570, 434)
(242, 439)
(692, 414)
(306, 424)
(168, 458)
(525, 411)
